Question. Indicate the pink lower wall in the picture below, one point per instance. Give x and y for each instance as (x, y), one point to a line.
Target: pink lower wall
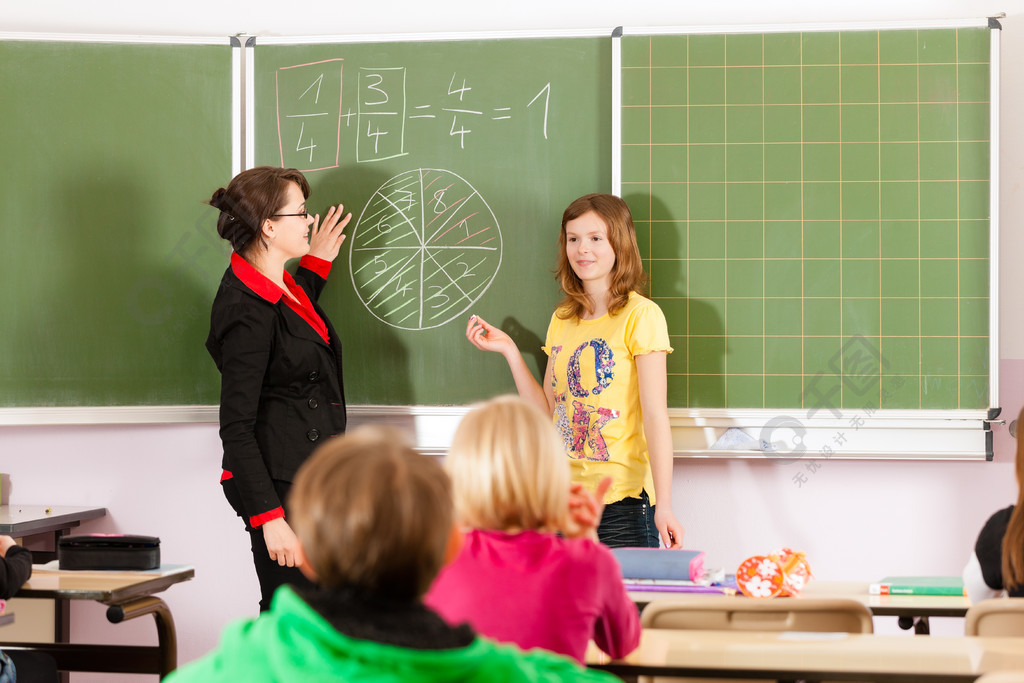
(157, 480)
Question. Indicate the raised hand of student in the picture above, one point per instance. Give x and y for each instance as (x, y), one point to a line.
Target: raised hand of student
(669, 528)
(487, 337)
(585, 509)
(325, 240)
(282, 543)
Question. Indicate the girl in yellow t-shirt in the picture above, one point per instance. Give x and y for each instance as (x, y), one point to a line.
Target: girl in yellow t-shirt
(605, 381)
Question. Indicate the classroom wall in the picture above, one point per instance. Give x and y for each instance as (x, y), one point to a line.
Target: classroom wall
(854, 519)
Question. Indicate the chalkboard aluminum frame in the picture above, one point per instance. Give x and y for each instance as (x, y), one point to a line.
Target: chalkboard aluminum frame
(126, 414)
(923, 434)
(885, 434)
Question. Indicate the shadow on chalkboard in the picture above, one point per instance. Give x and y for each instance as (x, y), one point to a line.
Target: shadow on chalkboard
(134, 309)
(398, 390)
(375, 355)
(695, 325)
(527, 340)
(170, 296)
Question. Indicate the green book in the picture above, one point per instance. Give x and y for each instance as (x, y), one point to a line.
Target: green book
(918, 585)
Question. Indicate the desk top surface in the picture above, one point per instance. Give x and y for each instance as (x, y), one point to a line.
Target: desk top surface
(880, 605)
(757, 654)
(26, 520)
(890, 605)
(6, 618)
(109, 587)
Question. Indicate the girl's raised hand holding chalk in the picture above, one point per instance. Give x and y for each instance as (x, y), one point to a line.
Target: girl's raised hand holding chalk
(486, 337)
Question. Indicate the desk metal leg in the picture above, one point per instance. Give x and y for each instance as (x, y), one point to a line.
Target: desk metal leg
(124, 659)
(166, 635)
(162, 659)
(62, 629)
(61, 608)
(919, 624)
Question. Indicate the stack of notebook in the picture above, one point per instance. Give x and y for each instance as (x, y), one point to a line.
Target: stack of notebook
(677, 571)
(918, 585)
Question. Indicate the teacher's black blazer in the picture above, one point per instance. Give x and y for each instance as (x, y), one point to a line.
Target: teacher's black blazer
(281, 385)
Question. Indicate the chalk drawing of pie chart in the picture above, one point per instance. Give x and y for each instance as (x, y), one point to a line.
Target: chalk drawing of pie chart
(424, 249)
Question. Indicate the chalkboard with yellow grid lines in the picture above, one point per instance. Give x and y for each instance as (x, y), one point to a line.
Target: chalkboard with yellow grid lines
(813, 209)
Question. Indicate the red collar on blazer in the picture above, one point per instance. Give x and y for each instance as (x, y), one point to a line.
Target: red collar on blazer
(261, 285)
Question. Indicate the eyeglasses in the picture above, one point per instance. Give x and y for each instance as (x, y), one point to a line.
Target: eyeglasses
(303, 214)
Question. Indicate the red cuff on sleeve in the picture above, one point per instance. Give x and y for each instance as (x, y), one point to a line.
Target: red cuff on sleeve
(262, 518)
(316, 264)
(225, 475)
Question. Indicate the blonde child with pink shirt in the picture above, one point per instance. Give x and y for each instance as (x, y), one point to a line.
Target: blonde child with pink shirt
(531, 570)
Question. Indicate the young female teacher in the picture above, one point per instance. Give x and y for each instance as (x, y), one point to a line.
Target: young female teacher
(278, 355)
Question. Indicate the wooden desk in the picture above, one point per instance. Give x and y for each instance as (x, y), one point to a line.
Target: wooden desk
(22, 521)
(41, 526)
(128, 595)
(912, 610)
(832, 656)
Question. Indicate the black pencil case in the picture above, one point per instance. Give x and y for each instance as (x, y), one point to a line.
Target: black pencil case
(108, 551)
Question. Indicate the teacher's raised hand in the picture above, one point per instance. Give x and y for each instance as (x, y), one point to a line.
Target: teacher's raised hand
(325, 240)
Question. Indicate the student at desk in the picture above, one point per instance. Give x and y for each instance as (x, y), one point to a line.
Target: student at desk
(996, 566)
(516, 580)
(15, 570)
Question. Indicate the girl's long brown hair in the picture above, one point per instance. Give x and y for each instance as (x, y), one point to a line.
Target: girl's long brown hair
(628, 272)
(1013, 541)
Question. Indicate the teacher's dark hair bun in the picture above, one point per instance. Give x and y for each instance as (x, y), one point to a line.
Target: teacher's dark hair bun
(249, 200)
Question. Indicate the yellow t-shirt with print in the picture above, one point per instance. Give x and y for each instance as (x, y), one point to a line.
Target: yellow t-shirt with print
(597, 397)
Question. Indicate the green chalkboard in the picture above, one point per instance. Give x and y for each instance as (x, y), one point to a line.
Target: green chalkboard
(813, 208)
(108, 152)
(456, 159)
(814, 212)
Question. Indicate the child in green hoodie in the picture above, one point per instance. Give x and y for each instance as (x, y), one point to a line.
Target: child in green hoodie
(374, 519)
